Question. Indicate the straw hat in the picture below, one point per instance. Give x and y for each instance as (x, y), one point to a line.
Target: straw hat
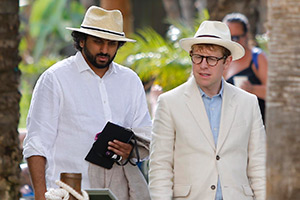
(214, 32)
(106, 24)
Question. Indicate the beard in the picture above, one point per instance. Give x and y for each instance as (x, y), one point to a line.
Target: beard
(92, 58)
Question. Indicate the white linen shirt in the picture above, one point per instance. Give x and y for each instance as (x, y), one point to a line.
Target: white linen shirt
(70, 104)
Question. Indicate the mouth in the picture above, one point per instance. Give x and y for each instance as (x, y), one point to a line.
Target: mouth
(205, 75)
(102, 58)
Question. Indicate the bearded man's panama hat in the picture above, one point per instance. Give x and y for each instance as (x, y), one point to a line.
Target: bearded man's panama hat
(106, 24)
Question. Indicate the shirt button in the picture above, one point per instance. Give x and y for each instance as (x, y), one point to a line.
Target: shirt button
(213, 187)
(218, 157)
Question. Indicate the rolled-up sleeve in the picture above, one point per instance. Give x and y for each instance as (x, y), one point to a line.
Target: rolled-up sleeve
(43, 117)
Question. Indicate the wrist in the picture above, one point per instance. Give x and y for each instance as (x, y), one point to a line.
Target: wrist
(40, 195)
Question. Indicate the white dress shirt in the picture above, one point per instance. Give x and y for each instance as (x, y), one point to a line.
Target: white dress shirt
(70, 104)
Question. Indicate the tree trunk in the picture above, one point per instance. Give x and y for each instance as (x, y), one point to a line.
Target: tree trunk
(218, 9)
(254, 9)
(88, 3)
(172, 9)
(125, 7)
(10, 155)
(283, 101)
(188, 11)
(201, 5)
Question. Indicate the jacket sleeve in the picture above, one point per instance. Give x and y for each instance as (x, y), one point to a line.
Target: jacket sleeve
(161, 153)
(257, 156)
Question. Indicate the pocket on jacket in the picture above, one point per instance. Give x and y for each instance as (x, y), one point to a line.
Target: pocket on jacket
(247, 190)
(181, 190)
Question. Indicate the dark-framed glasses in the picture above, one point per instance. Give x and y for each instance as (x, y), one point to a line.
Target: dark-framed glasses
(210, 60)
(237, 38)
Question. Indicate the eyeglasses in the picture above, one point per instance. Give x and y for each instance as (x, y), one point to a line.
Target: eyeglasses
(237, 38)
(210, 60)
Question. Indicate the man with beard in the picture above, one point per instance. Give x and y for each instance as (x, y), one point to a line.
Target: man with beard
(74, 99)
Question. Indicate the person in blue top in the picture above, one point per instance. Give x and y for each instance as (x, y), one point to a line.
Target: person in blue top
(253, 65)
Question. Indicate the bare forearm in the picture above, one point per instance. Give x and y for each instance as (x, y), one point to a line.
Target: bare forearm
(36, 166)
(259, 91)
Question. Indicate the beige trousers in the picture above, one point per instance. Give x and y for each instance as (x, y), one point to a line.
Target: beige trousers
(126, 182)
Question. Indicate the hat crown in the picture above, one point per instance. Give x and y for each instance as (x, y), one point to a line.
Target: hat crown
(101, 23)
(216, 33)
(100, 18)
(213, 29)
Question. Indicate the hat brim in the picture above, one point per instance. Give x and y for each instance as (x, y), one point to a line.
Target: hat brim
(237, 51)
(103, 35)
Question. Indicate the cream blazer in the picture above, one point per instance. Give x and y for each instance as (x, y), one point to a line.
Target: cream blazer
(184, 161)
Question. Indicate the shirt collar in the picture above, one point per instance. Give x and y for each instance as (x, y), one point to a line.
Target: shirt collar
(83, 66)
(219, 94)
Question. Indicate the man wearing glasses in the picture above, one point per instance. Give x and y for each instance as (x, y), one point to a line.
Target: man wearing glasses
(208, 138)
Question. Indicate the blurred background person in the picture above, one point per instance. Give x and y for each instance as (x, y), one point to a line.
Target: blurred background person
(249, 72)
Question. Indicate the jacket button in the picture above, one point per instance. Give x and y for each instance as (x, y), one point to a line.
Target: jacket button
(218, 157)
(213, 187)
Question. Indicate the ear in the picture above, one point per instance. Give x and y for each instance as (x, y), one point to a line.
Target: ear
(227, 62)
(81, 43)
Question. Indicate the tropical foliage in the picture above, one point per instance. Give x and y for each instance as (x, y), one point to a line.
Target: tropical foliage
(44, 30)
(156, 59)
(159, 59)
(43, 38)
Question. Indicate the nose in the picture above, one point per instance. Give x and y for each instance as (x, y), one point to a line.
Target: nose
(203, 64)
(104, 47)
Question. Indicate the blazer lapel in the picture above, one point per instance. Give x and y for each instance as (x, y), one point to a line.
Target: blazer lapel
(227, 115)
(196, 106)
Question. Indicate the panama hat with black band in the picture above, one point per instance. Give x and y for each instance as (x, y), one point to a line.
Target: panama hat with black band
(106, 24)
(214, 32)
